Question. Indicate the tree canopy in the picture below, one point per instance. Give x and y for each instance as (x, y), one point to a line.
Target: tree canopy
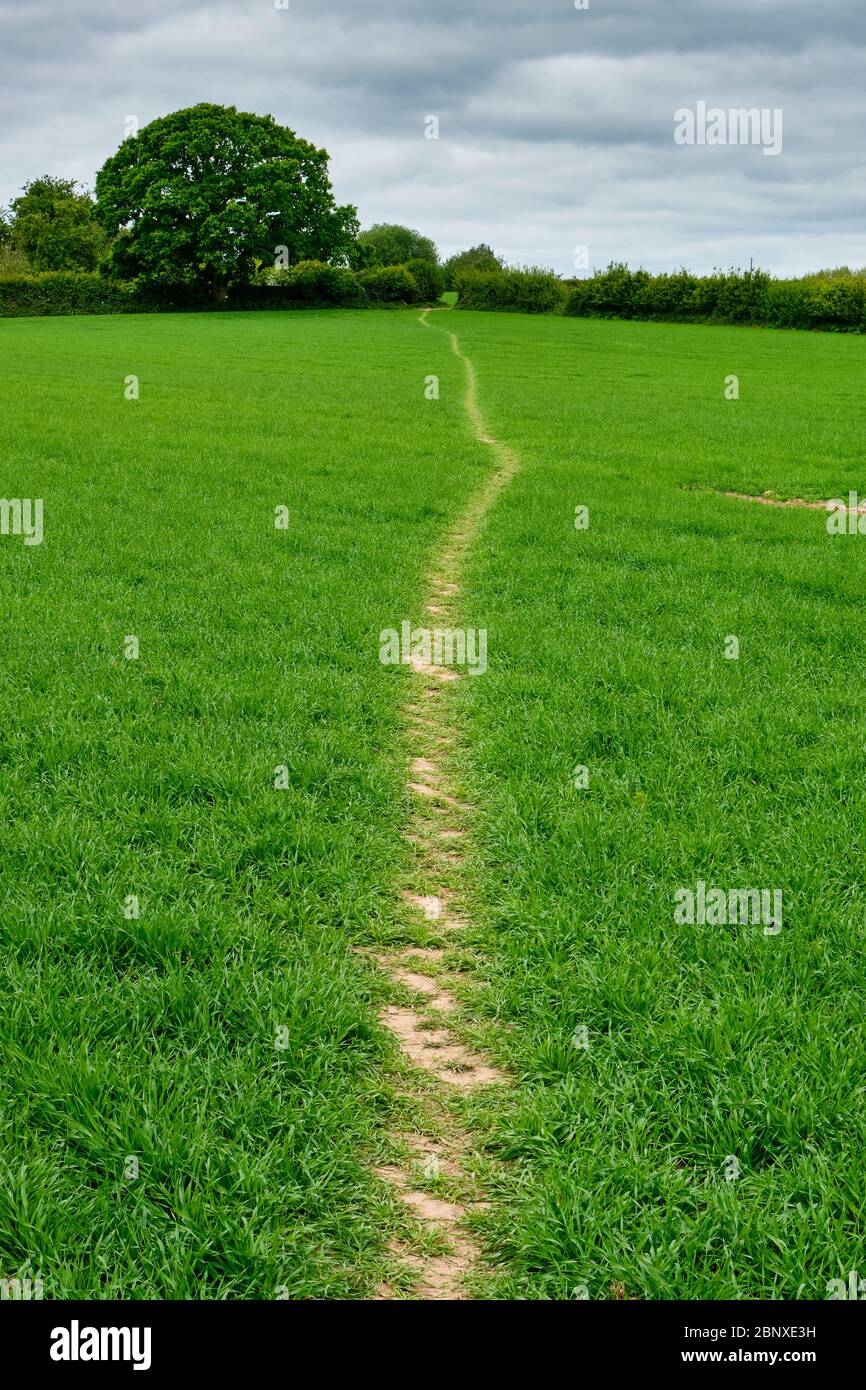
(481, 257)
(387, 243)
(207, 194)
(55, 226)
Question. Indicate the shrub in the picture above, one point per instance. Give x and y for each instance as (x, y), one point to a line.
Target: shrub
(481, 257)
(741, 296)
(389, 284)
(664, 296)
(818, 302)
(313, 282)
(616, 293)
(527, 291)
(429, 278)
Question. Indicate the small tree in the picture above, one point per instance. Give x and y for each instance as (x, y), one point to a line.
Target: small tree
(206, 195)
(389, 284)
(429, 278)
(481, 257)
(387, 243)
(55, 227)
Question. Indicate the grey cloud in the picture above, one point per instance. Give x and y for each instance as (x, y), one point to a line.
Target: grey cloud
(556, 124)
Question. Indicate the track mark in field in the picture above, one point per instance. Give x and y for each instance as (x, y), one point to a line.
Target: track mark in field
(784, 501)
(425, 1018)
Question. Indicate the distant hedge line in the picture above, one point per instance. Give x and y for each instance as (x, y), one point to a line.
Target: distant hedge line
(835, 302)
(309, 284)
(831, 302)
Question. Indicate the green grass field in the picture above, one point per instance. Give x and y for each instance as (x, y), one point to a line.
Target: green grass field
(154, 1038)
(258, 648)
(607, 650)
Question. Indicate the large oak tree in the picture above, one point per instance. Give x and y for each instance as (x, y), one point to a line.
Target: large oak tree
(202, 196)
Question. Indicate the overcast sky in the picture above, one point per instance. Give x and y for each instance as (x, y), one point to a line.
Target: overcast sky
(556, 125)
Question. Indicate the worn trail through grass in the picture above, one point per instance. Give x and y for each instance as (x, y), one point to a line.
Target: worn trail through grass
(428, 1028)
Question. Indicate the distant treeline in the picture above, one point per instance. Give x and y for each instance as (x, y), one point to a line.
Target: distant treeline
(161, 232)
(832, 300)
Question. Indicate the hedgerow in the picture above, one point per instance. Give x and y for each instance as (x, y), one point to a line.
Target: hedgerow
(837, 305)
(745, 297)
(309, 284)
(64, 292)
(834, 301)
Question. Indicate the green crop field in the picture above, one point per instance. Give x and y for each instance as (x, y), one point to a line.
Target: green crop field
(203, 799)
(703, 1044)
(154, 1038)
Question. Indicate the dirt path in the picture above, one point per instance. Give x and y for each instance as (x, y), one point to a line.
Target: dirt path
(786, 502)
(432, 1175)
